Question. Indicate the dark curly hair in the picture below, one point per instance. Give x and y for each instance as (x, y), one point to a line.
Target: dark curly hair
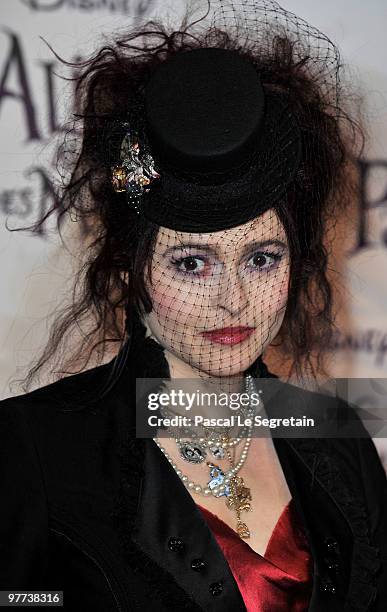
(110, 283)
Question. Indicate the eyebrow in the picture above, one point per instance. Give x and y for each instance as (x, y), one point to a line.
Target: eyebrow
(252, 246)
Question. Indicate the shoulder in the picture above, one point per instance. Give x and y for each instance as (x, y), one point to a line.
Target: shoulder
(346, 460)
(45, 423)
(62, 393)
(339, 436)
(59, 442)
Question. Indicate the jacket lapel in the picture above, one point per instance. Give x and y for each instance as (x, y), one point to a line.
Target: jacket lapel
(326, 527)
(337, 519)
(321, 475)
(171, 530)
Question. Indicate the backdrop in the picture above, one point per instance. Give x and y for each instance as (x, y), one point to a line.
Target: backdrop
(35, 103)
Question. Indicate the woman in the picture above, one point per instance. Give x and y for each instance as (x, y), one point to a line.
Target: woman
(210, 164)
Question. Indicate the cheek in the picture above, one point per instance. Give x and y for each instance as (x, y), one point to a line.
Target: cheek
(162, 301)
(273, 298)
(163, 294)
(282, 294)
(171, 305)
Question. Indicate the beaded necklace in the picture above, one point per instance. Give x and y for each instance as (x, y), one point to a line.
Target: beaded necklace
(222, 483)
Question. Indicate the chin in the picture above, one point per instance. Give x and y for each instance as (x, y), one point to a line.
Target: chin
(226, 369)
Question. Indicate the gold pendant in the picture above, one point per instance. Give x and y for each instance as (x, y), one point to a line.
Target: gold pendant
(239, 501)
(243, 530)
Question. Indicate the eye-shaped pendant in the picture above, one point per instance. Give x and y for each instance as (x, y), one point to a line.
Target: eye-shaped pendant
(192, 452)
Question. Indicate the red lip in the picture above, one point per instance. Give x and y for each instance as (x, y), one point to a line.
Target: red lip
(229, 335)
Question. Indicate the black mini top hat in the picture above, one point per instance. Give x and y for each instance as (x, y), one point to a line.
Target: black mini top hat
(218, 147)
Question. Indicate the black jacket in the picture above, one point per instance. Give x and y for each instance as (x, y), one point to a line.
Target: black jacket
(88, 509)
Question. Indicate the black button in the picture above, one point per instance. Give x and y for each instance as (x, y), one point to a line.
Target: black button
(198, 565)
(332, 565)
(175, 544)
(331, 545)
(216, 588)
(328, 587)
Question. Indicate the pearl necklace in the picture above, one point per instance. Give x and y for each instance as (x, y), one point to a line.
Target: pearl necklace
(206, 491)
(222, 483)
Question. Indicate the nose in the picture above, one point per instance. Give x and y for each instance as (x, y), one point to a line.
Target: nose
(232, 293)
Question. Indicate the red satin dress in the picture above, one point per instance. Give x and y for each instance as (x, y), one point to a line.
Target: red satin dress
(282, 579)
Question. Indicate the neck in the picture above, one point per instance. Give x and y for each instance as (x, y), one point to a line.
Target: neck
(203, 380)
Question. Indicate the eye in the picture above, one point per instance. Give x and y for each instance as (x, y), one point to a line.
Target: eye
(190, 264)
(264, 261)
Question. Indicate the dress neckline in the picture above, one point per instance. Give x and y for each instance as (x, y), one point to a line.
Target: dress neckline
(287, 550)
(226, 528)
(282, 578)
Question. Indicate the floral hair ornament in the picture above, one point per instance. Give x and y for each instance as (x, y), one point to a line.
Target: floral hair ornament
(136, 169)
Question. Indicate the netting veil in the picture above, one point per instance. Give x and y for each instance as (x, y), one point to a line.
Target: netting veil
(210, 158)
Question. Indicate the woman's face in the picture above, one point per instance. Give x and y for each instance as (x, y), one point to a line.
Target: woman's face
(219, 298)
